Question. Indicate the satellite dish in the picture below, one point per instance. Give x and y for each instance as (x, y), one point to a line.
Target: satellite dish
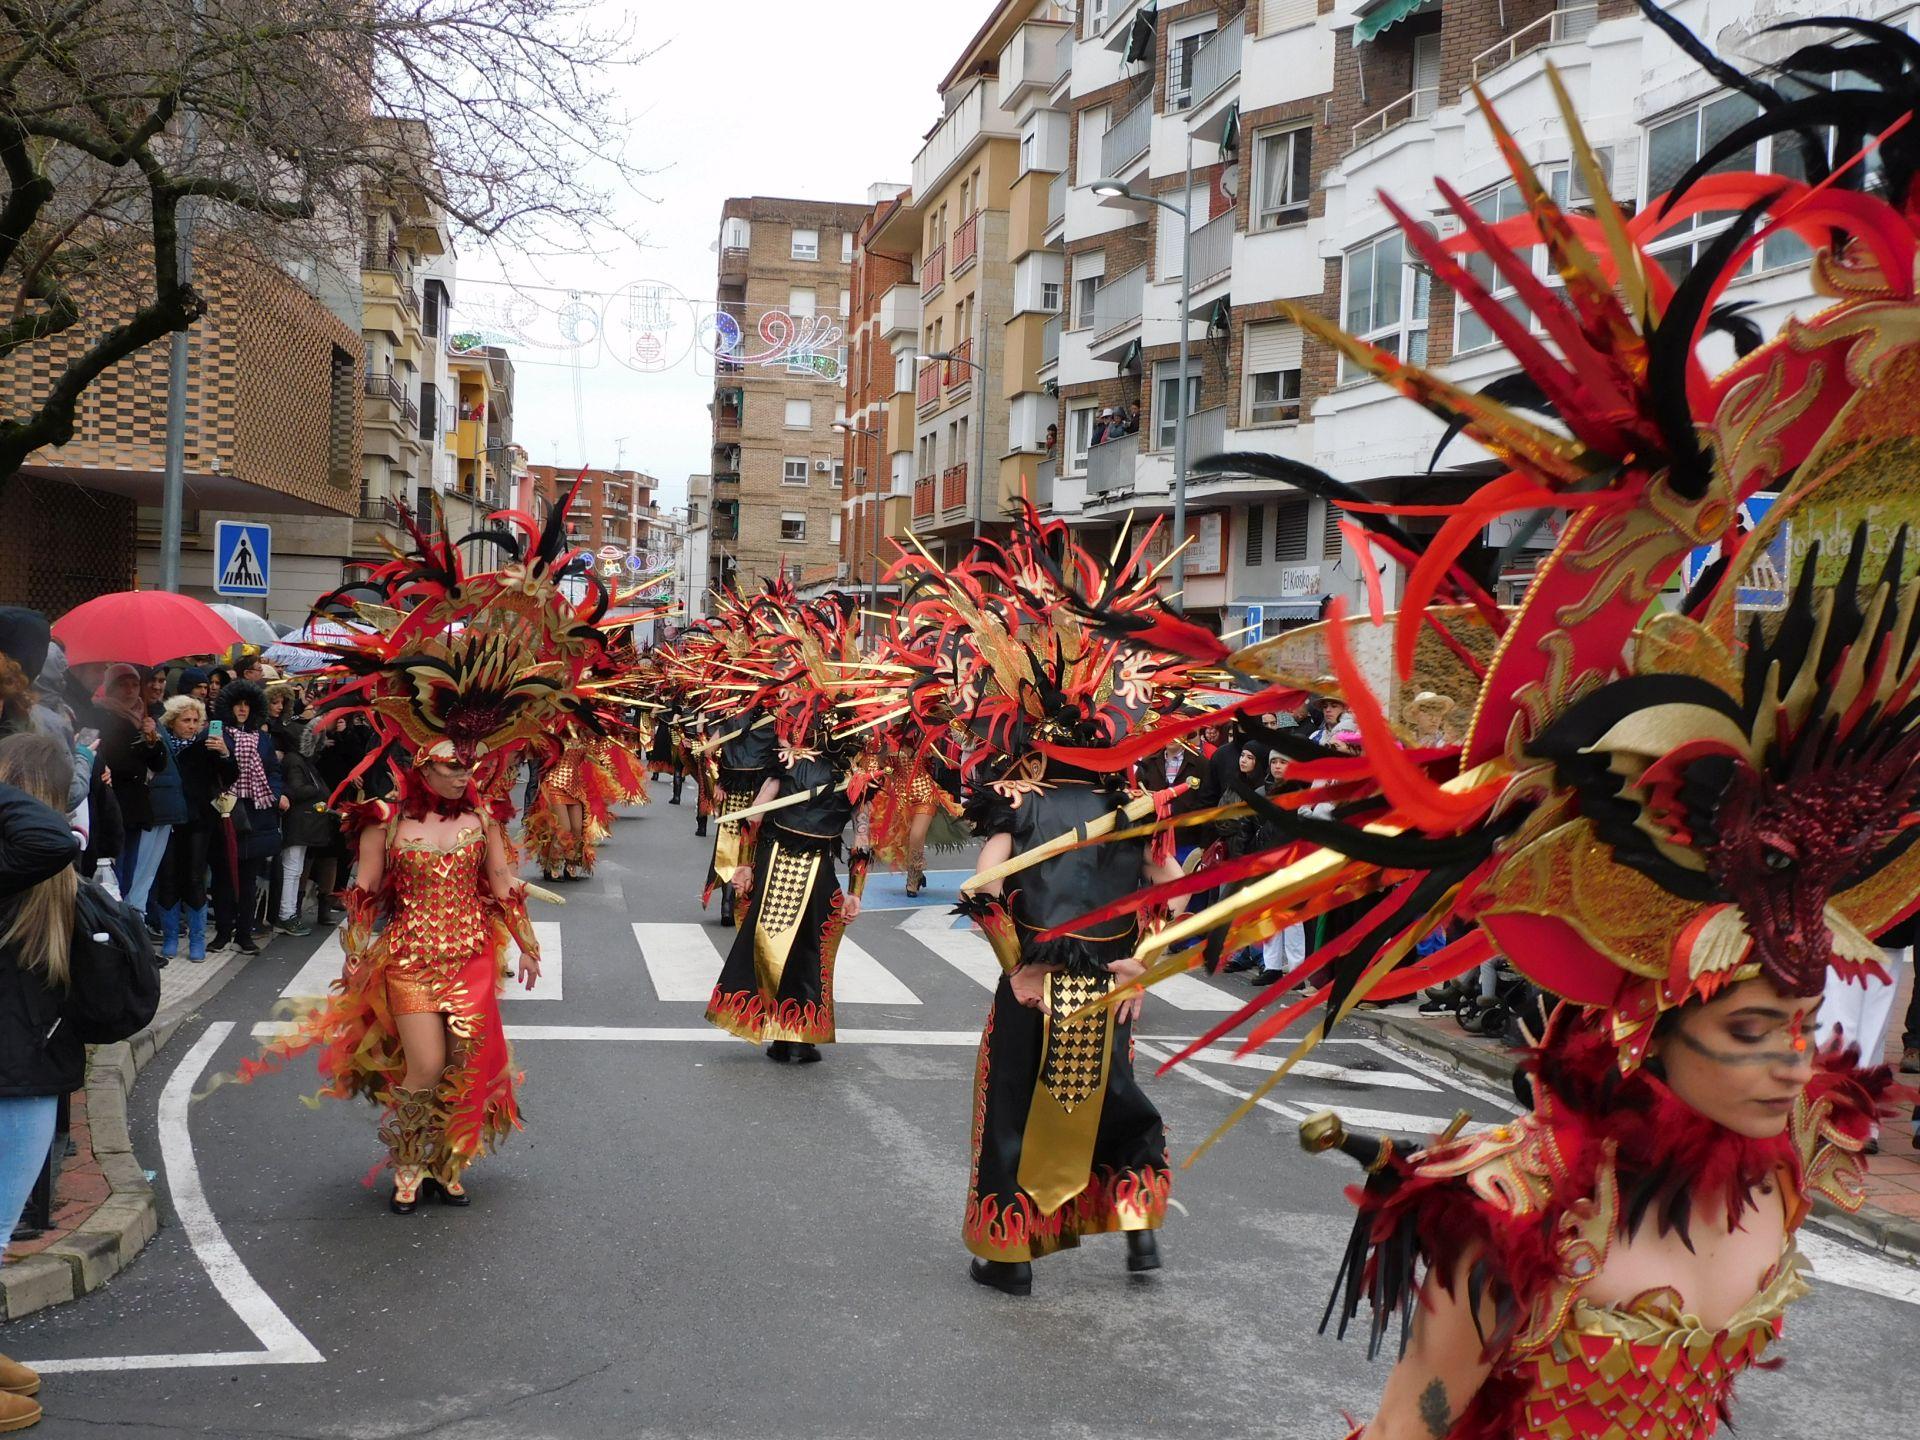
(1230, 180)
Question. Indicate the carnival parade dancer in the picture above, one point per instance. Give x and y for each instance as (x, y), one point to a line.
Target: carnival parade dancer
(479, 666)
(560, 830)
(1677, 821)
(776, 986)
(1065, 1142)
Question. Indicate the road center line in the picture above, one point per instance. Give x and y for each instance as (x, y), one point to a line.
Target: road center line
(284, 1343)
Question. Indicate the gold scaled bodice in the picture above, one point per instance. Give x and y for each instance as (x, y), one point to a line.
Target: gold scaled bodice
(437, 921)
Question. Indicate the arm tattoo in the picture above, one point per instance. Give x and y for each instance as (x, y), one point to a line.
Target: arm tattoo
(1435, 1411)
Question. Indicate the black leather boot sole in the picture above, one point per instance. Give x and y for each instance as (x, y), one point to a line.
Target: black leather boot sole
(1143, 1251)
(1009, 1277)
(403, 1207)
(805, 1054)
(780, 1052)
(439, 1192)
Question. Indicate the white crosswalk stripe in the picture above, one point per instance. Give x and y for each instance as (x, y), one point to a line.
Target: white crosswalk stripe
(682, 960)
(312, 980)
(859, 979)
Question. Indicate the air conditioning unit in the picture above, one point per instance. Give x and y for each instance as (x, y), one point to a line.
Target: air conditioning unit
(823, 467)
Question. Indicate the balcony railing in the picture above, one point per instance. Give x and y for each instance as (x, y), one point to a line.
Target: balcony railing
(933, 271)
(1414, 105)
(923, 498)
(928, 391)
(733, 264)
(1119, 302)
(1050, 342)
(1126, 139)
(1213, 249)
(953, 487)
(1110, 466)
(959, 370)
(1063, 51)
(378, 507)
(1056, 200)
(1042, 488)
(386, 387)
(966, 243)
(1570, 23)
(409, 297)
(410, 413)
(1217, 63)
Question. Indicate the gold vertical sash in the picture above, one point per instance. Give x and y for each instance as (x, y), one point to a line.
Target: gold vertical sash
(726, 839)
(1056, 1153)
(783, 904)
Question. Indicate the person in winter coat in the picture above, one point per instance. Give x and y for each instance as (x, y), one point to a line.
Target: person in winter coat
(131, 751)
(207, 770)
(38, 1062)
(309, 831)
(243, 853)
(191, 681)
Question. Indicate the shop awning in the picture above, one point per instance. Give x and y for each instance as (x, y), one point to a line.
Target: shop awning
(1384, 14)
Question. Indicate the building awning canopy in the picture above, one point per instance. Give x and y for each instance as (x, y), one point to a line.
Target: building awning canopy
(1385, 14)
(1307, 608)
(1130, 357)
(1134, 41)
(1222, 129)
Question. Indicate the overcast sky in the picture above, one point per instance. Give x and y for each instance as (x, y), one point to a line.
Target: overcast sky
(744, 97)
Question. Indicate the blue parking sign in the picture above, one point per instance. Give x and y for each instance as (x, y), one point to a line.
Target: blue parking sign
(1766, 575)
(242, 557)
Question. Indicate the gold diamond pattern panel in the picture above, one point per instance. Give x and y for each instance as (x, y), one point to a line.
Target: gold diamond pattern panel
(789, 876)
(1076, 1051)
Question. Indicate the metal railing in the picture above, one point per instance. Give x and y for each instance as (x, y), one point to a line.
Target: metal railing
(966, 243)
(1126, 139)
(933, 270)
(733, 261)
(928, 387)
(923, 498)
(1110, 466)
(1119, 302)
(1217, 62)
(959, 370)
(410, 413)
(1063, 50)
(1056, 199)
(1570, 23)
(953, 487)
(1043, 476)
(1414, 105)
(385, 387)
(1050, 342)
(409, 297)
(1213, 249)
(378, 507)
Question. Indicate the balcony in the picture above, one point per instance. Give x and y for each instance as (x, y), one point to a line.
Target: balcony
(1414, 105)
(933, 272)
(1032, 61)
(733, 265)
(959, 370)
(1117, 306)
(1057, 200)
(953, 487)
(1050, 342)
(900, 312)
(1216, 64)
(1212, 250)
(923, 498)
(410, 415)
(386, 387)
(1126, 139)
(1571, 22)
(1042, 491)
(1110, 466)
(975, 115)
(1063, 53)
(966, 243)
(928, 391)
(378, 508)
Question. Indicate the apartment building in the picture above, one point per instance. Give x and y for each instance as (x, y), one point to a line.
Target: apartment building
(693, 584)
(609, 510)
(879, 282)
(782, 307)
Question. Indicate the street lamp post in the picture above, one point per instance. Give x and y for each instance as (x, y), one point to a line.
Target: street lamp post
(1119, 190)
(980, 412)
(879, 512)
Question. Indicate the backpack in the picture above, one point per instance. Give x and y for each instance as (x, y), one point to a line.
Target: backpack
(115, 973)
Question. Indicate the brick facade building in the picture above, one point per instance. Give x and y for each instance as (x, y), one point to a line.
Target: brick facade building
(869, 490)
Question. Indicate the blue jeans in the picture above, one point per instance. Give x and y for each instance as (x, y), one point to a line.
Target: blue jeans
(145, 850)
(26, 1134)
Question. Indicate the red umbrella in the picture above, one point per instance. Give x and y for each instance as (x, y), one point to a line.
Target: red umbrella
(141, 627)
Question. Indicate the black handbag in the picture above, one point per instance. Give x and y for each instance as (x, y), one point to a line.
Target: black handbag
(114, 972)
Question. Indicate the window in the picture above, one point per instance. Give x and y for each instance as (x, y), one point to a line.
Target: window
(1029, 151)
(1290, 531)
(806, 244)
(793, 470)
(793, 526)
(1385, 301)
(739, 234)
(1166, 391)
(1502, 203)
(846, 247)
(1426, 74)
(1088, 271)
(1180, 68)
(800, 303)
(799, 415)
(846, 302)
(1330, 537)
(839, 474)
(1050, 296)
(1256, 534)
(1283, 177)
(903, 372)
(836, 529)
(1095, 12)
(1273, 363)
(1080, 436)
(429, 411)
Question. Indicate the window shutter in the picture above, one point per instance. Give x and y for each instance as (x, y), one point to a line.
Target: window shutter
(1331, 536)
(1281, 14)
(1273, 347)
(1290, 531)
(1256, 533)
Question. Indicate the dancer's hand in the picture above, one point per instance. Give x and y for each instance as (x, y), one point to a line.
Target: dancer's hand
(1029, 984)
(1126, 971)
(1125, 1010)
(742, 879)
(529, 969)
(852, 908)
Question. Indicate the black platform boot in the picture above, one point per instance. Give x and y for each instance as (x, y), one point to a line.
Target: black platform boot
(805, 1054)
(780, 1051)
(1143, 1251)
(1009, 1277)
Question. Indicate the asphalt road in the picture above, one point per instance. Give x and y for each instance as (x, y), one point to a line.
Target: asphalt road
(690, 1241)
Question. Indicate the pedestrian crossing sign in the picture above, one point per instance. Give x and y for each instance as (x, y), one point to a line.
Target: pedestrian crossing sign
(241, 557)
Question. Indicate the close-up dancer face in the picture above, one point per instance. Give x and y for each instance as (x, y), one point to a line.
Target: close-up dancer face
(1743, 1058)
(448, 778)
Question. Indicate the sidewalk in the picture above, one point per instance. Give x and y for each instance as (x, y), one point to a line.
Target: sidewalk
(1889, 1221)
(105, 1211)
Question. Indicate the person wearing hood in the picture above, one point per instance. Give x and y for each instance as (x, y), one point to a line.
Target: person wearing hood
(250, 836)
(206, 770)
(191, 681)
(25, 644)
(131, 751)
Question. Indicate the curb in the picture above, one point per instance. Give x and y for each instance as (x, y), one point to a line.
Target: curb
(1872, 1227)
(107, 1241)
